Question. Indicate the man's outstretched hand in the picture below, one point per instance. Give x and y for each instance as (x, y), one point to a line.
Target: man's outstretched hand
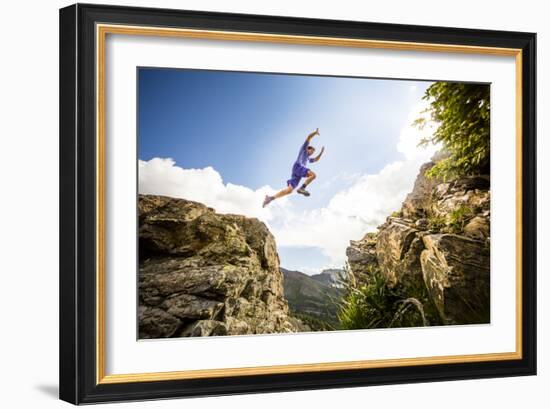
(311, 135)
(315, 159)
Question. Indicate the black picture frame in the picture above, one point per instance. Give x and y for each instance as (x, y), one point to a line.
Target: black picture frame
(78, 199)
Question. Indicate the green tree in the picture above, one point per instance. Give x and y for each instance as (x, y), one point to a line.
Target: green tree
(463, 114)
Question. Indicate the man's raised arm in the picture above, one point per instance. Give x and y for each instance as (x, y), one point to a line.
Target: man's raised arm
(315, 159)
(311, 135)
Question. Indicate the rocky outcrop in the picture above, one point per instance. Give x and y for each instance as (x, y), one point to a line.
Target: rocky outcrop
(398, 245)
(438, 243)
(203, 273)
(418, 203)
(362, 259)
(456, 273)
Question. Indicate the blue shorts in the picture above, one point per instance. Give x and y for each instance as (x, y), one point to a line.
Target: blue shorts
(298, 172)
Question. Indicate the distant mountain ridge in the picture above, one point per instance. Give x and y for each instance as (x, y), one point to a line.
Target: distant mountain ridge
(331, 276)
(313, 297)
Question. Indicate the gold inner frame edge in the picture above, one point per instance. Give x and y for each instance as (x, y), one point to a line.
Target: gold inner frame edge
(101, 32)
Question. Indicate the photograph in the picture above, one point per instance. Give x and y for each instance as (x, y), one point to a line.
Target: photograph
(259, 202)
(279, 203)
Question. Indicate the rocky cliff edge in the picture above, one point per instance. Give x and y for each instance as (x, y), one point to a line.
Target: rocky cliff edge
(437, 244)
(203, 273)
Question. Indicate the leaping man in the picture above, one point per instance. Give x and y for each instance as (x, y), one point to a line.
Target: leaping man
(299, 171)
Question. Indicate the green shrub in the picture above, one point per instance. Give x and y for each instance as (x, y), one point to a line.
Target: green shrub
(459, 217)
(454, 222)
(376, 305)
(397, 213)
(463, 114)
(315, 323)
(437, 223)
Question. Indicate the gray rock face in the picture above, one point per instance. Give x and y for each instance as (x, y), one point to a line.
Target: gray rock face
(203, 273)
(398, 251)
(471, 192)
(456, 273)
(156, 323)
(439, 243)
(418, 202)
(477, 228)
(362, 259)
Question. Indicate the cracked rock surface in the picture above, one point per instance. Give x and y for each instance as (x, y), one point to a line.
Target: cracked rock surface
(203, 273)
(438, 242)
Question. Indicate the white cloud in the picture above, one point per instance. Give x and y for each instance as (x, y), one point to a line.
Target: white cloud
(161, 176)
(410, 135)
(350, 213)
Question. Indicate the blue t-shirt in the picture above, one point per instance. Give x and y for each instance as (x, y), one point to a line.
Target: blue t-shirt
(303, 157)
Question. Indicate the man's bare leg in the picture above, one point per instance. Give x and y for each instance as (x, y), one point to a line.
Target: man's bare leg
(310, 178)
(286, 191)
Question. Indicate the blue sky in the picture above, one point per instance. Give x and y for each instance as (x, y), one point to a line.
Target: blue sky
(248, 127)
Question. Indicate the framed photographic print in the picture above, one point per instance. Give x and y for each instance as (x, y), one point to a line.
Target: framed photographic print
(258, 203)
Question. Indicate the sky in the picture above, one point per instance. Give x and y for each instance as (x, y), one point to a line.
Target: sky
(227, 139)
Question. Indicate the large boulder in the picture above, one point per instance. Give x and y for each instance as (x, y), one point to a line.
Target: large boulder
(203, 273)
(478, 228)
(398, 252)
(418, 202)
(456, 273)
(362, 259)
